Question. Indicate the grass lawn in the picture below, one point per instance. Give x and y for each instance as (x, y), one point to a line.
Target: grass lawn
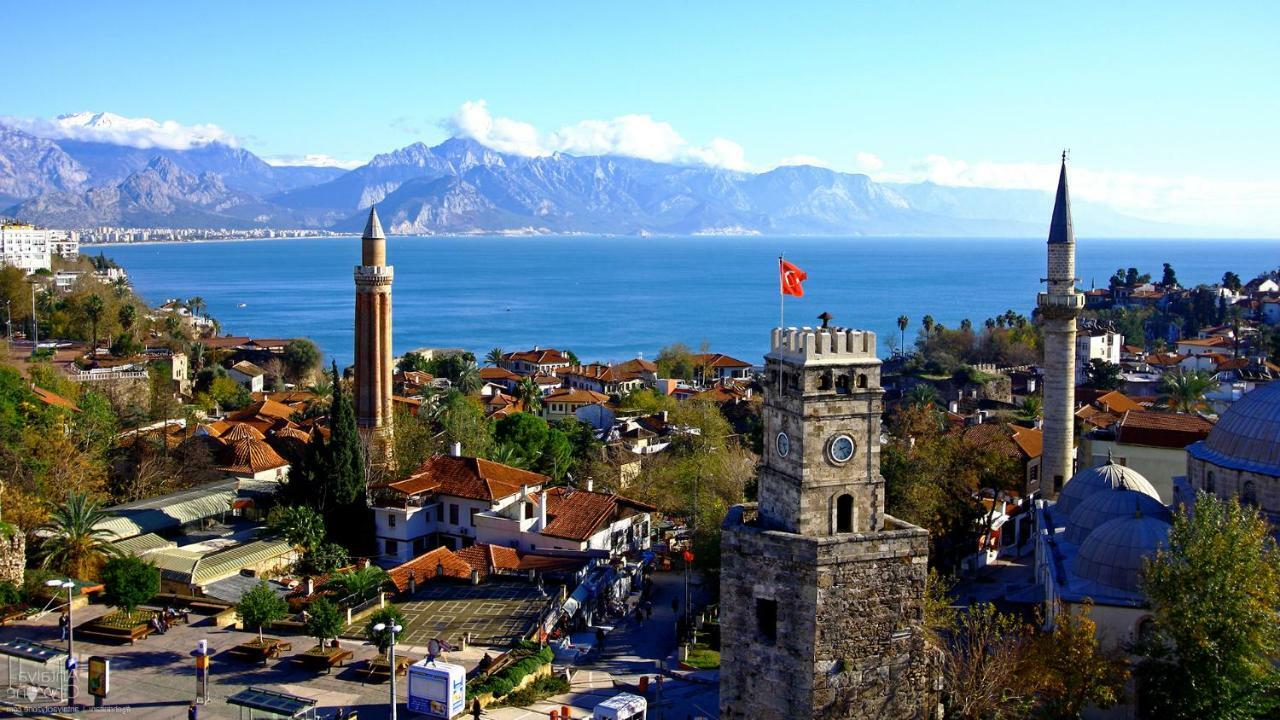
(703, 658)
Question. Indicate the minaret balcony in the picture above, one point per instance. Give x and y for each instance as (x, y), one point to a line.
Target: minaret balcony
(1053, 305)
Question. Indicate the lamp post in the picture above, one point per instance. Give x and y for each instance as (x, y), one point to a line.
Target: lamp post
(391, 661)
(35, 323)
(71, 647)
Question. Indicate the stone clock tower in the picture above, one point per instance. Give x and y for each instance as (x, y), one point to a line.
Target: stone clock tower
(821, 592)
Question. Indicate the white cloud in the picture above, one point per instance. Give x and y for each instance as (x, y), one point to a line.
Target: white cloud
(1188, 199)
(867, 162)
(638, 136)
(120, 130)
(313, 160)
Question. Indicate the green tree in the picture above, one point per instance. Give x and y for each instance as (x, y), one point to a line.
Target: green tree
(388, 616)
(1032, 408)
(922, 395)
(530, 394)
(1170, 278)
(985, 664)
(1184, 390)
(1231, 281)
(301, 357)
(462, 420)
(675, 361)
(647, 400)
(1215, 595)
(527, 433)
(93, 309)
(493, 357)
(229, 394)
(126, 316)
(356, 586)
(509, 455)
(196, 305)
(75, 544)
(129, 581)
(261, 606)
(903, 322)
(301, 525)
(327, 558)
(324, 620)
(927, 324)
(1104, 375)
(346, 456)
(415, 439)
(125, 346)
(1072, 672)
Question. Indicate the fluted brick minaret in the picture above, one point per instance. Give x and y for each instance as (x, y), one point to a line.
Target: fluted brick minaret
(1059, 306)
(373, 343)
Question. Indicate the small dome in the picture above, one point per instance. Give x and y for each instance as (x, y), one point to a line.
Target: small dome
(1109, 505)
(1114, 553)
(1111, 475)
(1247, 437)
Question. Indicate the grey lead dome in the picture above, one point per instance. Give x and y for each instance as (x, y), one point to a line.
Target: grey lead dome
(1108, 476)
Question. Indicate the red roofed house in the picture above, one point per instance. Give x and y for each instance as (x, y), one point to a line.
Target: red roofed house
(565, 402)
(535, 361)
(1152, 443)
(718, 366)
(1021, 443)
(599, 378)
(438, 504)
(569, 519)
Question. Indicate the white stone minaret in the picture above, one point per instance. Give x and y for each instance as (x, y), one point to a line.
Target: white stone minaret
(374, 363)
(1059, 306)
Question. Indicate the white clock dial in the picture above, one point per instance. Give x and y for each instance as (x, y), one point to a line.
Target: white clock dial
(841, 448)
(784, 444)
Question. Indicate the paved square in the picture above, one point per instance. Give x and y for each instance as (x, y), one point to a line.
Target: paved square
(495, 613)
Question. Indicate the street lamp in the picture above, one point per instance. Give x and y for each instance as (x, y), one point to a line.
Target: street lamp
(391, 661)
(71, 647)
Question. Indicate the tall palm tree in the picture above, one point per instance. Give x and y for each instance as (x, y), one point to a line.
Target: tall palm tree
(196, 352)
(121, 287)
(509, 455)
(197, 305)
(922, 395)
(76, 545)
(127, 315)
(928, 324)
(530, 394)
(1184, 390)
(1031, 408)
(493, 357)
(903, 322)
(468, 380)
(356, 586)
(94, 307)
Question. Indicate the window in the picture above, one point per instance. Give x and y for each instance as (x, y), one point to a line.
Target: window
(825, 382)
(862, 382)
(844, 513)
(453, 514)
(767, 619)
(1209, 484)
(472, 519)
(842, 385)
(392, 547)
(1249, 495)
(439, 513)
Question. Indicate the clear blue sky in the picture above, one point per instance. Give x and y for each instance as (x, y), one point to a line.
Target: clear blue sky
(1165, 89)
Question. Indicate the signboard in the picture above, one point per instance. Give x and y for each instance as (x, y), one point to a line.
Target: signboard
(99, 676)
(437, 689)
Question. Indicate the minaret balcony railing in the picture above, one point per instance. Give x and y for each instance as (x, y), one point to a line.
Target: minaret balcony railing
(1071, 302)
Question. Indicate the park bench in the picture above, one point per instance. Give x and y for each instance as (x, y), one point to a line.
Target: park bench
(377, 669)
(325, 659)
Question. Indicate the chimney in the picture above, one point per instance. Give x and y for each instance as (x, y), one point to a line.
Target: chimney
(953, 407)
(590, 483)
(542, 511)
(475, 576)
(456, 449)
(311, 586)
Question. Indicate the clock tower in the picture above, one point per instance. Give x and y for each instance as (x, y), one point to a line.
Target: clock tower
(821, 592)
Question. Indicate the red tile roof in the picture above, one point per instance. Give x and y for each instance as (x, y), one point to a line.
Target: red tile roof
(1012, 440)
(467, 477)
(548, 356)
(250, 456)
(578, 514)
(493, 374)
(425, 567)
(718, 360)
(575, 396)
(267, 408)
(636, 366)
(1161, 429)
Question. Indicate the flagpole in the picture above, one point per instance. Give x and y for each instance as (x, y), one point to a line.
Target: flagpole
(782, 297)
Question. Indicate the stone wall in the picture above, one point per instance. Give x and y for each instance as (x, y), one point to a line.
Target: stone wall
(13, 557)
(850, 641)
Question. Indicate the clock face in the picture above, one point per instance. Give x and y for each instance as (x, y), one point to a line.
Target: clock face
(784, 444)
(841, 448)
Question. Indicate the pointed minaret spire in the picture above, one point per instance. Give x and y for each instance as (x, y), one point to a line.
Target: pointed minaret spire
(373, 228)
(1060, 230)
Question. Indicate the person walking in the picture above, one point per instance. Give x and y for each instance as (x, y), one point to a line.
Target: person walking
(193, 712)
(64, 622)
(476, 710)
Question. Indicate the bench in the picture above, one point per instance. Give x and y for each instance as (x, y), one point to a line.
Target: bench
(326, 661)
(252, 650)
(376, 668)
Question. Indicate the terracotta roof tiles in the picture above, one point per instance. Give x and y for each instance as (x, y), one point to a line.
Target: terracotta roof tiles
(467, 477)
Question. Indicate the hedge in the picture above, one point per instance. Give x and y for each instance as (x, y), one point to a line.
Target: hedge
(505, 681)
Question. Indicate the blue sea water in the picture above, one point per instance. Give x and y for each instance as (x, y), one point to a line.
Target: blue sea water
(613, 298)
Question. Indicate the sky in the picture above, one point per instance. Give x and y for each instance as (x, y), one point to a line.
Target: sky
(1168, 108)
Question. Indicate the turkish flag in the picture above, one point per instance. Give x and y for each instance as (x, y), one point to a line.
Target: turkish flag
(792, 277)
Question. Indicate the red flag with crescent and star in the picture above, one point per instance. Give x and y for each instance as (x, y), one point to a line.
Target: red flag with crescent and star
(792, 278)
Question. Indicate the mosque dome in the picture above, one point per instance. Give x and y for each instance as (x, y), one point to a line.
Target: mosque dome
(1106, 505)
(1113, 554)
(1247, 437)
(1108, 476)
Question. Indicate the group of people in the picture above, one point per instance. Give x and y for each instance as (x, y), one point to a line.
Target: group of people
(162, 621)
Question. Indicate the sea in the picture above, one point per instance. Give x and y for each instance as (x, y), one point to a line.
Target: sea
(615, 298)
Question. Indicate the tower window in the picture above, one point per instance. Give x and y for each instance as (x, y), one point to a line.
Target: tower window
(842, 385)
(862, 382)
(767, 619)
(1249, 495)
(1209, 484)
(825, 382)
(844, 513)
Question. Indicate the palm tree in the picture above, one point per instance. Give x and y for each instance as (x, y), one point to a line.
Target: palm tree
(127, 314)
(121, 287)
(903, 322)
(928, 324)
(530, 394)
(357, 586)
(1184, 390)
(468, 380)
(922, 396)
(196, 352)
(493, 357)
(510, 455)
(196, 304)
(76, 545)
(1031, 408)
(94, 307)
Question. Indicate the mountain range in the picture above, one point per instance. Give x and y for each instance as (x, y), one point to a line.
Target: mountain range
(461, 186)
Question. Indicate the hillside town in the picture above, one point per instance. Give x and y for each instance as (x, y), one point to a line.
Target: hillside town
(558, 534)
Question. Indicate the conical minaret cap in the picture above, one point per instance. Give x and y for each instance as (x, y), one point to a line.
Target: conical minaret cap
(1060, 230)
(373, 228)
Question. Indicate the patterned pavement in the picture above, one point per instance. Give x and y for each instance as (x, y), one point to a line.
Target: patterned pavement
(495, 613)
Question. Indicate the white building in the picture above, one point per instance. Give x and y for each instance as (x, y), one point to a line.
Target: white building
(31, 248)
(1095, 342)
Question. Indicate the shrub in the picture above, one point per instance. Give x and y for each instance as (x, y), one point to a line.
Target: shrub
(129, 581)
(10, 594)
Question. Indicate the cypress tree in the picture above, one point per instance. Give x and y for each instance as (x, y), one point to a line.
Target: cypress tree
(346, 457)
